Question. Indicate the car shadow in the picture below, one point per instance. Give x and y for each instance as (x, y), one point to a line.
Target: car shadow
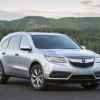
(23, 83)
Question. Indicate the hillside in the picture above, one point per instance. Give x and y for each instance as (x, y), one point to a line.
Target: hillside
(84, 30)
(89, 24)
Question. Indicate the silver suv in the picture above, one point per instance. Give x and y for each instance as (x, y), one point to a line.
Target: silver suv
(47, 57)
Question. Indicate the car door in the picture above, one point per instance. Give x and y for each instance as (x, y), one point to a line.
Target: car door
(25, 55)
(19, 60)
(12, 55)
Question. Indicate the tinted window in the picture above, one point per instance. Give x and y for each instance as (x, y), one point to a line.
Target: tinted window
(25, 41)
(14, 42)
(53, 42)
(4, 44)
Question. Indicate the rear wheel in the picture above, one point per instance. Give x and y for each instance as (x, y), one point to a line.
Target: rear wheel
(89, 85)
(37, 77)
(3, 77)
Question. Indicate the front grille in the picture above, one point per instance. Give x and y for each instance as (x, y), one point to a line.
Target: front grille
(83, 65)
(59, 74)
(82, 77)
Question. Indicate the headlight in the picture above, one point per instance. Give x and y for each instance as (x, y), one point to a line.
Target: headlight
(56, 59)
(97, 59)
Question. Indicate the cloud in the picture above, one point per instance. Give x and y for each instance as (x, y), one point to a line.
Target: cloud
(97, 5)
(86, 2)
(91, 3)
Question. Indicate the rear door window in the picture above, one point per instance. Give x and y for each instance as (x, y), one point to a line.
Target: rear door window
(15, 42)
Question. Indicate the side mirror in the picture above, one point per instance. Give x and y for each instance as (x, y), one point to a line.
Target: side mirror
(26, 48)
(83, 47)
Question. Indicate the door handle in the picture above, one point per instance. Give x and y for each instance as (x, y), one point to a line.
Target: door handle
(3, 53)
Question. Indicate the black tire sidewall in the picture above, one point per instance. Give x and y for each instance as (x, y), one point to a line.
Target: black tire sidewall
(4, 78)
(2, 72)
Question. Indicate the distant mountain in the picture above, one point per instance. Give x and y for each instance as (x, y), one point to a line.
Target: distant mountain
(89, 24)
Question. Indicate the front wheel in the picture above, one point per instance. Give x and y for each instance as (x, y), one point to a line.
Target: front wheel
(37, 77)
(89, 85)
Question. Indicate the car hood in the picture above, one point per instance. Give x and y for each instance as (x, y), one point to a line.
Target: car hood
(68, 52)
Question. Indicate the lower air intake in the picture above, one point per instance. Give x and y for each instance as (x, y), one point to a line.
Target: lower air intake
(59, 74)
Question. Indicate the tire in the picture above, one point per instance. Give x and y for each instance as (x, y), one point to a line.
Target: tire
(3, 77)
(37, 77)
(89, 85)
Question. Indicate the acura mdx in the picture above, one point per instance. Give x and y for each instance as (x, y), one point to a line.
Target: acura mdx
(47, 57)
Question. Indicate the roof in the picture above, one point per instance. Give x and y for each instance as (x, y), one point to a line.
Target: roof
(31, 33)
(38, 33)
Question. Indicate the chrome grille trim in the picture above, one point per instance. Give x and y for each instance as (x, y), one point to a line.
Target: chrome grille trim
(82, 61)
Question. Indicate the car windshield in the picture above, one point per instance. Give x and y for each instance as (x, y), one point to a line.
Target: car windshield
(54, 42)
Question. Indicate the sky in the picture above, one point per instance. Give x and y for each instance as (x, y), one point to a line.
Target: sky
(50, 5)
(53, 7)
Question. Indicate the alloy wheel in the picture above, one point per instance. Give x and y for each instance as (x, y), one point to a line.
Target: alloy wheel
(37, 77)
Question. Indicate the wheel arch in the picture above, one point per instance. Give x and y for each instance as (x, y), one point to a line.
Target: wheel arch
(33, 63)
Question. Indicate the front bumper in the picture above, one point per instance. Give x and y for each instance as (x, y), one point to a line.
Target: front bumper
(73, 81)
(71, 73)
